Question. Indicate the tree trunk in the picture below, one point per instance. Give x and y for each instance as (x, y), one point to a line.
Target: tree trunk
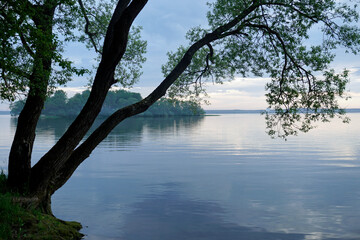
(59, 175)
(20, 154)
(43, 173)
(21, 149)
(41, 203)
(57, 165)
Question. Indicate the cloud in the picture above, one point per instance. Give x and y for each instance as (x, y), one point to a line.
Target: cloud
(235, 99)
(241, 93)
(244, 83)
(71, 91)
(4, 106)
(165, 24)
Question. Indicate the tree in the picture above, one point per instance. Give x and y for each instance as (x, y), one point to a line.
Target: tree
(245, 37)
(58, 105)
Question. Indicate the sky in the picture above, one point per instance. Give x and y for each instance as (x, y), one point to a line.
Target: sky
(165, 24)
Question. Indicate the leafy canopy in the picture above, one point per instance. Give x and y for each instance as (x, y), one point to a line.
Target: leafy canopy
(250, 38)
(271, 39)
(22, 36)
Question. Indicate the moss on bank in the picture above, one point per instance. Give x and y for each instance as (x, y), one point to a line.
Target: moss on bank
(19, 223)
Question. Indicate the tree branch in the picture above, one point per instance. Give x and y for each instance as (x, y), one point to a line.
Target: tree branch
(87, 24)
(118, 13)
(287, 55)
(17, 24)
(282, 43)
(14, 70)
(114, 49)
(25, 44)
(84, 150)
(314, 18)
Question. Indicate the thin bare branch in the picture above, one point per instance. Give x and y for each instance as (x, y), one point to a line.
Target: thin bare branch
(87, 24)
(25, 44)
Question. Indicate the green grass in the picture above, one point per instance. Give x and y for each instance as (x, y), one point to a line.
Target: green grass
(19, 223)
(2, 181)
(9, 217)
(10, 213)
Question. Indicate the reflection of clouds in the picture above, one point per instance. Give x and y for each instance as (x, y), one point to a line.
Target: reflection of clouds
(169, 215)
(269, 185)
(341, 141)
(157, 128)
(7, 133)
(344, 165)
(234, 180)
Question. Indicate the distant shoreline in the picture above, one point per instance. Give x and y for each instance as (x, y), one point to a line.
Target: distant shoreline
(207, 112)
(216, 112)
(210, 112)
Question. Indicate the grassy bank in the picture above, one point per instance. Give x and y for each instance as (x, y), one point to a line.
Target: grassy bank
(19, 223)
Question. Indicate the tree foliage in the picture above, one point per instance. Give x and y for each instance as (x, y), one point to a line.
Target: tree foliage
(22, 39)
(59, 105)
(244, 38)
(95, 16)
(273, 41)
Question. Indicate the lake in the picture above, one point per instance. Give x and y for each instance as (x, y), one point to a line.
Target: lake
(213, 177)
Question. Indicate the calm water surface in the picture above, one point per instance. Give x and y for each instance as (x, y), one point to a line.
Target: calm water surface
(216, 177)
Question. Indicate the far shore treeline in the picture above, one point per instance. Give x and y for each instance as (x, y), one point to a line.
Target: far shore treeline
(59, 105)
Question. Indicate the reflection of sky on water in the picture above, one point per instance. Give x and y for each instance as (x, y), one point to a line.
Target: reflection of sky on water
(171, 216)
(5, 138)
(191, 178)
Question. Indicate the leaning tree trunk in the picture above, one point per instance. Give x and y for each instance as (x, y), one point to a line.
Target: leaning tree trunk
(57, 166)
(19, 170)
(44, 172)
(20, 154)
(84, 150)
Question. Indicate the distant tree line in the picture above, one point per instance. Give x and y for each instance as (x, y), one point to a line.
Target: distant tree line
(59, 105)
